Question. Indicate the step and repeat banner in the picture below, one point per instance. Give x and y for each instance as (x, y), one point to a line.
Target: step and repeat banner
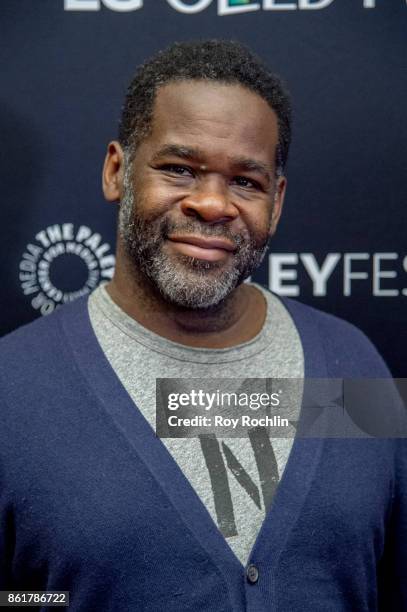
(341, 245)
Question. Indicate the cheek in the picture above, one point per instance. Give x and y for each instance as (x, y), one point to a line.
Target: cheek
(154, 200)
(258, 223)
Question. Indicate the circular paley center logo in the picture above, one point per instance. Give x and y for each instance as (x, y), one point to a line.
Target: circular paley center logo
(64, 263)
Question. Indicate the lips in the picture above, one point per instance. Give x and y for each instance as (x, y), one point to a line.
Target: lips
(200, 247)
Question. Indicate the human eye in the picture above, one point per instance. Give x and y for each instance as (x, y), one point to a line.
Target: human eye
(177, 169)
(243, 181)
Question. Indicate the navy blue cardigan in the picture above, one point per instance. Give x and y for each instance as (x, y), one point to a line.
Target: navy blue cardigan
(91, 501)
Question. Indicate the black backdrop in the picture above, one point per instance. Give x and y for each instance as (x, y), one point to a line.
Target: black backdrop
(341, 243)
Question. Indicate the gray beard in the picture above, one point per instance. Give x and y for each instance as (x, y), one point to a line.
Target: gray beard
(182, 280)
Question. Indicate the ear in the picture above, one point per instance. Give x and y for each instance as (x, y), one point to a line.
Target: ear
(112, 176)
(279, 195)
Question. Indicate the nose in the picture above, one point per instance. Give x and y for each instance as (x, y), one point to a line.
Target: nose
(209, 202)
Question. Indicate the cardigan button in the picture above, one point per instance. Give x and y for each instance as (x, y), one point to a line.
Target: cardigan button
(252, 573)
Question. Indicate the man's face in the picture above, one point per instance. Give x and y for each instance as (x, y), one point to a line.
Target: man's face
(200, 199)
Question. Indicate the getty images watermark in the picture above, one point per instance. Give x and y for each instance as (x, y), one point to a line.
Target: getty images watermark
(284, 407)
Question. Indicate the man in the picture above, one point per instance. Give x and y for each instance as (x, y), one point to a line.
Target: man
(92, 502)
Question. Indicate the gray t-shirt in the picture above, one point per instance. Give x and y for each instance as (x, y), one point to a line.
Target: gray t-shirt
(235, 478)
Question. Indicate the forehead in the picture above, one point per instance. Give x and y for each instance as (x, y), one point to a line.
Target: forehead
(218, 118)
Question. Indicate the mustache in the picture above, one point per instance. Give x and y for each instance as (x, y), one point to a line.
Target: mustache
(196, 228)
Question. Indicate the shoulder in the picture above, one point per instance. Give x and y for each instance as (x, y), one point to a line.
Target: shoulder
(348, 351)
(38, 373)
(37, 346)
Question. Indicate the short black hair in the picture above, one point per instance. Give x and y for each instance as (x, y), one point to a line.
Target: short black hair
(212, 60)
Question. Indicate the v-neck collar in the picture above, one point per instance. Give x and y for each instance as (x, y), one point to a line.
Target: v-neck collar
(291, 491)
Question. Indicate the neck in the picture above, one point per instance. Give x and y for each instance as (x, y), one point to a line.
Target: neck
(238, 318)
